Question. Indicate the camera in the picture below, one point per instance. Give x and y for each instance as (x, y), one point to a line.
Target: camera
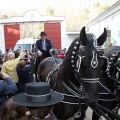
(26, 56)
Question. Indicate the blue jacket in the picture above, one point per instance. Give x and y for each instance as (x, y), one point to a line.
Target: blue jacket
(7, 87)
(23, 76)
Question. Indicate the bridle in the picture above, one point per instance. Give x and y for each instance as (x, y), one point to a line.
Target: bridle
(76, 60)
(76, 66)
(114, 75)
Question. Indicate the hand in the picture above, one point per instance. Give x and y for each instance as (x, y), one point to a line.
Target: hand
(27, 52)
(50, 50)
(40, 53)
(29, 56)
(4, 76)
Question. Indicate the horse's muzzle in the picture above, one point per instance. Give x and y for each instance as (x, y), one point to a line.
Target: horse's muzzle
(90, 90)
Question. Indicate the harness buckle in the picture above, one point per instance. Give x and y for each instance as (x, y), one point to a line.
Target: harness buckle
(78, 113)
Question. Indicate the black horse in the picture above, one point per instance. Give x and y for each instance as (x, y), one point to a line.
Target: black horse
(109, 83)
(81, 66)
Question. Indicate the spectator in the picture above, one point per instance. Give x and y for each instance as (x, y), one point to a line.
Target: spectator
(43, 47)
(23, 74)
(110, 45)
(39, 99)
(8, 50)
(7, 87)
(1, 62)
(64, 50)
(17, 53)
(11, 111)
(9, 66)
(0, 51)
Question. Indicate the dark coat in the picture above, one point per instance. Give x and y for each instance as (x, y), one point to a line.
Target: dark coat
(7, 87)
(48, 47)
(23, 76)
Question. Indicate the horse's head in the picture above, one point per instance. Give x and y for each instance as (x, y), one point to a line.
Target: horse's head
(87, 62)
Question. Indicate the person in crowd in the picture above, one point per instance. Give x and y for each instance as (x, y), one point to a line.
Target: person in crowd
(39, 99)
(7, 87)
(0, 51)
(59, 50)
(8, 50)
(64, 50)
(110, 45)
(43, 47)
(23, 73)
(12, 111)
(17, 53)
(1, 62)
(10, 65)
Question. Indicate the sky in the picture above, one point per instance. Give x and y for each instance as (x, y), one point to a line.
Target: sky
(20, 6)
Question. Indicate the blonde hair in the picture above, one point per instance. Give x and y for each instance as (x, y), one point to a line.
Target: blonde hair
(22, 64)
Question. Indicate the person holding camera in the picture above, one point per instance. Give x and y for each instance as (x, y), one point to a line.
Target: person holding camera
(43, 47)
(23, 73)
(7, 87)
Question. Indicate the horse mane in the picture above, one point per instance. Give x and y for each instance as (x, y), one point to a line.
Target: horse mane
(89, 48)
(65, 70)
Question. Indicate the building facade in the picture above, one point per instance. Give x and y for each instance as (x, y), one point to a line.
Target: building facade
(110, 20)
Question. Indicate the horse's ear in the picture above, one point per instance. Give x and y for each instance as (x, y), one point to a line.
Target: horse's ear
(102, 38)
(83, 37)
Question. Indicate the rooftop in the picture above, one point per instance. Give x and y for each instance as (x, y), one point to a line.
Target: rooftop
(31, 16)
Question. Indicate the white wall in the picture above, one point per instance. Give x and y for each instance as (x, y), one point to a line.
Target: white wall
(65, 41)
(112, 23)
(2, 39)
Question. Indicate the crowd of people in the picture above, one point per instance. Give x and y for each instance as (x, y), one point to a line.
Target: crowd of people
(21, 98)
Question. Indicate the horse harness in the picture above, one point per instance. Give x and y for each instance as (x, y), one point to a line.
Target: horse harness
(76, 93)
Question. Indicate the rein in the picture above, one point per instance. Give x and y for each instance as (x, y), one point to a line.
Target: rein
(73, 95)
(106, 89)
(109, 112)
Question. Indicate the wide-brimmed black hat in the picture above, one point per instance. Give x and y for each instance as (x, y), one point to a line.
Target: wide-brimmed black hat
(43, 34)
(37, 94)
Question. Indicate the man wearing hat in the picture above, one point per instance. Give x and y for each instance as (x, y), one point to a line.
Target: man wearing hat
(44, 46)
(39, 99)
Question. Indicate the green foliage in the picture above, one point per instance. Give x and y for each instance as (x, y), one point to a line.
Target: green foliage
(50, 11)
(13, 14)
(101, 8)
(41, 27)
(4, 16)
(97, 4)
